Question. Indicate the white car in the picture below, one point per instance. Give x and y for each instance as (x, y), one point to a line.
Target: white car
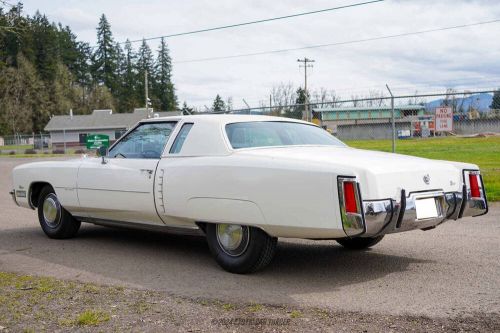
(244, 181)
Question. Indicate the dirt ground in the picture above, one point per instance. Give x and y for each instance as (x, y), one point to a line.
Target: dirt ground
(33, 304)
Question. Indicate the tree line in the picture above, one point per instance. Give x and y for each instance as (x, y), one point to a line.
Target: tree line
(45, 71)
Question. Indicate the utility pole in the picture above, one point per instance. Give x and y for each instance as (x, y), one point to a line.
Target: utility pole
(307, 114)
(393, 120)
(146, 96)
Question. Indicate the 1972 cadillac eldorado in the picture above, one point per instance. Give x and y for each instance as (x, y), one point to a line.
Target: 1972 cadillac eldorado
(244, 181)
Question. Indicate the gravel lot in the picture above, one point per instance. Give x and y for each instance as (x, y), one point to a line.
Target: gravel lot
(450, 272)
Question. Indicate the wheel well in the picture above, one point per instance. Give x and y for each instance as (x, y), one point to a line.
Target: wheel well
(34, 193)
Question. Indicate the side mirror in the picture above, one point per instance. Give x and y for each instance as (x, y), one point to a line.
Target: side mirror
(102, 151)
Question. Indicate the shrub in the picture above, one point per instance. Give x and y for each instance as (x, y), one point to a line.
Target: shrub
(80, 151)
(57, 151)
(30, 151)
(12, 152)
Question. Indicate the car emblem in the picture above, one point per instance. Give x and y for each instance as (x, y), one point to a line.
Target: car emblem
(427, 179)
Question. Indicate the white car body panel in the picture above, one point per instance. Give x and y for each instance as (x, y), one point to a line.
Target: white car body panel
(288, 191)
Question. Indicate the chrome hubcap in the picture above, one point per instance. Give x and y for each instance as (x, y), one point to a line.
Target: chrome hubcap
(51, 209)
(232, 238)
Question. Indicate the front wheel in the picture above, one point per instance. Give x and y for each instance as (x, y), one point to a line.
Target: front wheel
(55, 221)
(240, 249)
(359, 243)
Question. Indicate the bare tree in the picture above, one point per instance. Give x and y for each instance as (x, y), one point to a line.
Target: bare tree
(376, 98)
(450, 99)
(282, 96)
(356, 100)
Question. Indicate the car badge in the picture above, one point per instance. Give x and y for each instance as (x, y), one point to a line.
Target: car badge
(427, 179)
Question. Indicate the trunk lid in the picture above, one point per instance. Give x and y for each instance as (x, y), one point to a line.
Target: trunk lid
(381, 175)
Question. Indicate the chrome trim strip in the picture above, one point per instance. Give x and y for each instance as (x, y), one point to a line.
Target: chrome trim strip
(353, 224)
(473, 206)
(190, 231)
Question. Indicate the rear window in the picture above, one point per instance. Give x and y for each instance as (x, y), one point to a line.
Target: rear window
(277, 133)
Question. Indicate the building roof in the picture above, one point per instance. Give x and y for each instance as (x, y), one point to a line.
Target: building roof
(371, 108)
(101, 119)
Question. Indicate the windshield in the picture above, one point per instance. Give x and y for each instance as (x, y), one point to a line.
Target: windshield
(277, 133)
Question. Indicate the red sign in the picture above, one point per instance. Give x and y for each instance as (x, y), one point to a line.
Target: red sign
(444, 119)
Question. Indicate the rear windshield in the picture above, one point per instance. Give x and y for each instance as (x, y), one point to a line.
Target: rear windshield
(277, 133)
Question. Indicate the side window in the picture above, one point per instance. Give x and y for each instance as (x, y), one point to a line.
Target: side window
(145, 141)
(181, 137)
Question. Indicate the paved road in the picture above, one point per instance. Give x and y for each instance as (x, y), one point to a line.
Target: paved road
(452, 270)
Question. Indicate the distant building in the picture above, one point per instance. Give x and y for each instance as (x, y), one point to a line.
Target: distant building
(334, 117)
(73, 129)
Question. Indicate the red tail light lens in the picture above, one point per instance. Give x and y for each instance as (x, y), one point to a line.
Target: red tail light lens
(351, 205)
(474, 185)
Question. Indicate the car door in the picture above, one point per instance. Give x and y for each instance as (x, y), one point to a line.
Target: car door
(120, 187)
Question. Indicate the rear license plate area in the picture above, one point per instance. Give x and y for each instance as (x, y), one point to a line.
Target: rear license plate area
(426, 208)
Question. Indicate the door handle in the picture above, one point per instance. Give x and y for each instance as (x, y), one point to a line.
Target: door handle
(148, 171)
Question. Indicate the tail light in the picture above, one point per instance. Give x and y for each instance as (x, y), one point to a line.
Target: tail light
(475, 203)
(350, 200)
(351, 211)
(474, 182)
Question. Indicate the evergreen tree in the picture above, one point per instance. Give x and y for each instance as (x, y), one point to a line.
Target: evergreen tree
(164, 88)
(68, 48)
(129, 98)
(120, 92)
(495, 103)
(219, 105)
(145, 65)
(44, 47)
(186, 109)
(104, 59)
(297, 111)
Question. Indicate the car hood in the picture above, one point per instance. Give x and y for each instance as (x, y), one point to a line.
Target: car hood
(381, 175)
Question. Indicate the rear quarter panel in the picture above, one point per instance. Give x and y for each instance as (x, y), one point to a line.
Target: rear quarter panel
(285, 199)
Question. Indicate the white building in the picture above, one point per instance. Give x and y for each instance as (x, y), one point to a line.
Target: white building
(73, 129)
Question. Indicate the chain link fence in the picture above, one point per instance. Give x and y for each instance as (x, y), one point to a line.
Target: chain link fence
(382, 118)
(393, 118)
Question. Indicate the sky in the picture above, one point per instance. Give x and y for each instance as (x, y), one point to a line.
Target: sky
(467, 58)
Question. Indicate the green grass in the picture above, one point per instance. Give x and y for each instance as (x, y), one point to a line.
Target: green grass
(92, 318)
(38, 155)
(16, 147)
(484, 152)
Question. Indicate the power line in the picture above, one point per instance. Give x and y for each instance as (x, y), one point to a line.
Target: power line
(356, 41)
(256, 21)
(7, 4)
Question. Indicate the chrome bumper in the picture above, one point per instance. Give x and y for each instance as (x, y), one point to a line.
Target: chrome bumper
(391, 216)
(13, 195)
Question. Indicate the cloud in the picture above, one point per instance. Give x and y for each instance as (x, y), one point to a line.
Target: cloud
(428, 62)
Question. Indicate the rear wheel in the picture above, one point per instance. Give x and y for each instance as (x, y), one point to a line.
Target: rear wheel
(240, 249)
(55, 221)
(359, 243)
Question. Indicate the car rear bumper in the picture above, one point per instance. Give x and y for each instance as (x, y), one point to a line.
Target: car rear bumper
(13, 195)
(391, 216)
